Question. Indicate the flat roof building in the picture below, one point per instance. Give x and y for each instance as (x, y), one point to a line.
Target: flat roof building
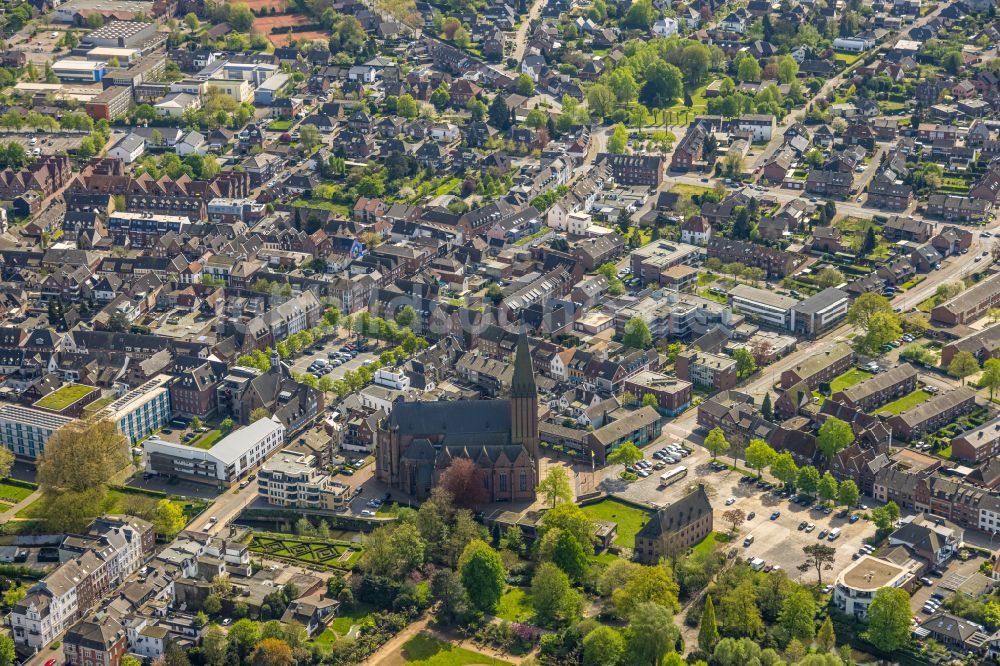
(224, 463)
(79, 71)
(765, 307)
(24, 431)
(857, 584)
(820, 312)
(290, 480)
(142, 410)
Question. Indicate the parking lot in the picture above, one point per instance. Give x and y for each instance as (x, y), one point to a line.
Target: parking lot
(779, 542)
(301, 364)
(47, 143)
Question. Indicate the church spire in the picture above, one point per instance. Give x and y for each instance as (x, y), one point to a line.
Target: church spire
(523, 382)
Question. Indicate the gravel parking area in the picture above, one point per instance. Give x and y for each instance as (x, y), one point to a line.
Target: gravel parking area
(47, 143)
(302, 362)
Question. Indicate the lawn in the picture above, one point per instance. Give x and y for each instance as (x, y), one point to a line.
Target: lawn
(689, 190)
(321, 204)
(711, 295)
(346, 619)
(629, 519)
(904, 403)
(120, 501)
(514, 605)
(424, 650)
(64, 396)
(280, 125)
(945, 452)
(99, 404)
(14, 493)
(849, 378)
(707, 545)
(208, 439)
(847, 58)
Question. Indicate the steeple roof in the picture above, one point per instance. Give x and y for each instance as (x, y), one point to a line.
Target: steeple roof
(523, 382)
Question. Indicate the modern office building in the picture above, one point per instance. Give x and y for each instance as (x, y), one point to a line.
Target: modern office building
(224, 463)
(141, 411)
(290, 480)
(765, 307)
(79, 71)
(24, 431)
(820, 312)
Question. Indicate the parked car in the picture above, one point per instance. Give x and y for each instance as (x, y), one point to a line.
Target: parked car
(774, 516)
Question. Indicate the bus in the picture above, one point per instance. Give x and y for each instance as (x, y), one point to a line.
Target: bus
(674, 475)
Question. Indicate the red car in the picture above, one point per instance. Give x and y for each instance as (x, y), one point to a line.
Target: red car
(50, 662)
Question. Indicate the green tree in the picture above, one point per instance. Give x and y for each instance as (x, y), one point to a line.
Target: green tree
(601, 100)
(169, 519)
(834, 435)
(649, 400)
(551, 595)
(524, 85)
(827, 487)
(626, 454)
(848, 494)
(785, 469)
(7, 655)
(555, 486)
(865, 306)
(309, 136)
(226, 426)
(829, 277)
(962, 365)
(826, 639)
(766, 408)
(482, 575)
(991, 375)
(191, 21)
(739, 612)
(640, 15)
(406, 106)
(568, 516)
(618, 141)
(406, 316)
(499, 114)
(664, 84)
(604, 646)
(716, 442)
(759, 455)
(807, 480)
(745, 363)
(637, 334)
(651, 635)
(883, 327)
(441, 98)
(798, 615)
(748, 69)
(645, 584)
(708, 632)
(259, 413)
(243, 636)
(889, 619)
(885, 517)
(568, 555)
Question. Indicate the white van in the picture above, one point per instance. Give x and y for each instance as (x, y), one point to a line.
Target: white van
(757, 564)
(834, 534)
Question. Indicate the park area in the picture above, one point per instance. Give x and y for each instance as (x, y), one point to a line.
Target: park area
(334, 554)
(629, 519)
(13, 491)
(425, 650)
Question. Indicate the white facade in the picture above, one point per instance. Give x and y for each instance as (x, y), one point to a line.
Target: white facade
(857, 584)
(769, 308)
(225, 462)
(665, 27)
(392, 378)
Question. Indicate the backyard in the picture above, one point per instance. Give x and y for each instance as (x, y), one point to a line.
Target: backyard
(629, 519)
(341, 625)
(904, 403)
(514, 605)
(424, 650)
(848, 379)
(336, 554)
(207, 440)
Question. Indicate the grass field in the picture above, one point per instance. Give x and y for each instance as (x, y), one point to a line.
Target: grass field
(847, 58)
(208, 439)
(904, 403)
(689, 190)
(424, 650)
(629, 519)
(705, 293)
(64, 396)
(514, 606)
(708, 543)
(118, 501)
(849, 378)
(14, 493)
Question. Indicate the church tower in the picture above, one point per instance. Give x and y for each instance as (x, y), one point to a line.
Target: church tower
(524, 403)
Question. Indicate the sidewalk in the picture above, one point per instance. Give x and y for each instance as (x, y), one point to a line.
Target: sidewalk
(12, 511)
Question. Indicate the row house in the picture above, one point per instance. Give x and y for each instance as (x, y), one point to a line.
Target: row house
(958, 209)
(932, 414)
(736, 415)
(46, 175)
(774, 262)
(895, 195)
(876, 391)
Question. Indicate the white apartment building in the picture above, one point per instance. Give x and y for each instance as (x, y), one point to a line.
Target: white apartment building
(765, 307)
(289, 480)
(857, 584)
(228, 460)
(93, 565)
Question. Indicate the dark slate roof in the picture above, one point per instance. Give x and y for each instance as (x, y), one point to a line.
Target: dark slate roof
(458, 417)
(676, 516)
